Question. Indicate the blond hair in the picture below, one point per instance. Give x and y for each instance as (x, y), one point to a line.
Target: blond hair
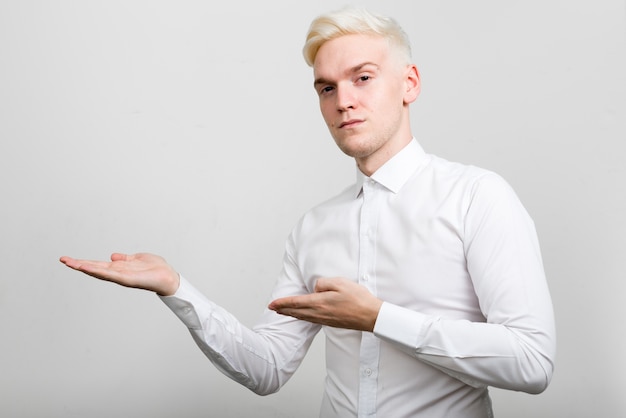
(350, 21)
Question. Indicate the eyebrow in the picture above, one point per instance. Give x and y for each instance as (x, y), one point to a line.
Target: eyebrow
(355, 69)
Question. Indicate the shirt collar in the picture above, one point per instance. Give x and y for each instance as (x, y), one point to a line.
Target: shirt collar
(396, 171)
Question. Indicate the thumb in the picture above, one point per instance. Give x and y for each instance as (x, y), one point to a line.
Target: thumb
(325, 284)
(119, 257)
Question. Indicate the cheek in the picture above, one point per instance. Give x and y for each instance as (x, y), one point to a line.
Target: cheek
(327, 113)
(390, 103)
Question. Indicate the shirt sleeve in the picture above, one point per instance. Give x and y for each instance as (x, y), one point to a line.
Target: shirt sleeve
(262, 358)
(515, 347)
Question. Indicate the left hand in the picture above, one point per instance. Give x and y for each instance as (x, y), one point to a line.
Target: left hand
(336, 302)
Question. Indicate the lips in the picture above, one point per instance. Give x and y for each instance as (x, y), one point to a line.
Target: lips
(350, 123)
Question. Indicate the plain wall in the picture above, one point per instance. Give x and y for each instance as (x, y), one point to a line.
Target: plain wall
(191, 129)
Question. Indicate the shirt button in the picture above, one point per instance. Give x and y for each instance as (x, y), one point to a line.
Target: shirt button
(368, 372)
(366, 277)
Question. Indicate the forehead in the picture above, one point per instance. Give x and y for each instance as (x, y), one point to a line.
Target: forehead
(348, 51)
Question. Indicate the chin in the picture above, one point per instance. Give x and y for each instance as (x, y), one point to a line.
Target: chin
(355, 148)
(350, 151)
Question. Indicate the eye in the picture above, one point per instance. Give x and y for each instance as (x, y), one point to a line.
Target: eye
(364, 78)
(326, 89)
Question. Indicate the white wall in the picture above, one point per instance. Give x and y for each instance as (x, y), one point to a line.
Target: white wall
(191, 130)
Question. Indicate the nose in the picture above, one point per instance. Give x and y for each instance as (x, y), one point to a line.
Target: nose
(346, 98)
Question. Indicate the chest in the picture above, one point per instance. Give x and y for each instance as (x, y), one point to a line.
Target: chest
(409, 252)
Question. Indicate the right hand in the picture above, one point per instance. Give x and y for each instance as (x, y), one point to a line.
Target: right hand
(140, 271)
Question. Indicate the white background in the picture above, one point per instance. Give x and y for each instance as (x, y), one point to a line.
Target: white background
(191, 129)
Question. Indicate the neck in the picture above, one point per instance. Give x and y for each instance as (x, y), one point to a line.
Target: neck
(370, 163)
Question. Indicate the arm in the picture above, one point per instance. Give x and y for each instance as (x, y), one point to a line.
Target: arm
(262, 359)
(514, 348)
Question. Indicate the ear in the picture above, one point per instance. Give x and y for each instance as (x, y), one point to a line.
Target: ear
(412, 83)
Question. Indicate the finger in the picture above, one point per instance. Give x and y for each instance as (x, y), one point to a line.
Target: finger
(278, 304)
(289, 302)
(66, 260)
(289, 312)
(95, 269)
(72, 262)
(119, 257)
(85, 266)
(103, 273)
(324, 284)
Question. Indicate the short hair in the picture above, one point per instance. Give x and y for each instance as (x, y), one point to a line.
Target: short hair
(349, 21)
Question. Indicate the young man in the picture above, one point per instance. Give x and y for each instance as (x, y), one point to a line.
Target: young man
(425, 275)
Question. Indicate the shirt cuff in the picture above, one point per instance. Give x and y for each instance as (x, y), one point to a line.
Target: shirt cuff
(401, 326)
(188, 304)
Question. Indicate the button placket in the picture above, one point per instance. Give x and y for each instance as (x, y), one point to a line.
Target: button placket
(370, 344)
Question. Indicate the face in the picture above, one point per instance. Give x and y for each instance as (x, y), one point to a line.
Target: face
(364, 92)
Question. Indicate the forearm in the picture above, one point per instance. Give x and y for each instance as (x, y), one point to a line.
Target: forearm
(517, 356)
(260, 361)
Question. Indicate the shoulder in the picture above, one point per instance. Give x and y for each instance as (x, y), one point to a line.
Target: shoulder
(326, 211)
(469, 177)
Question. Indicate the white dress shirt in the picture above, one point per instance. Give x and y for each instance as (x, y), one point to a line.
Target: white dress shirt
(453, 254)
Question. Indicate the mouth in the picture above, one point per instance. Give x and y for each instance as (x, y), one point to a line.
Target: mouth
(350, 123)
